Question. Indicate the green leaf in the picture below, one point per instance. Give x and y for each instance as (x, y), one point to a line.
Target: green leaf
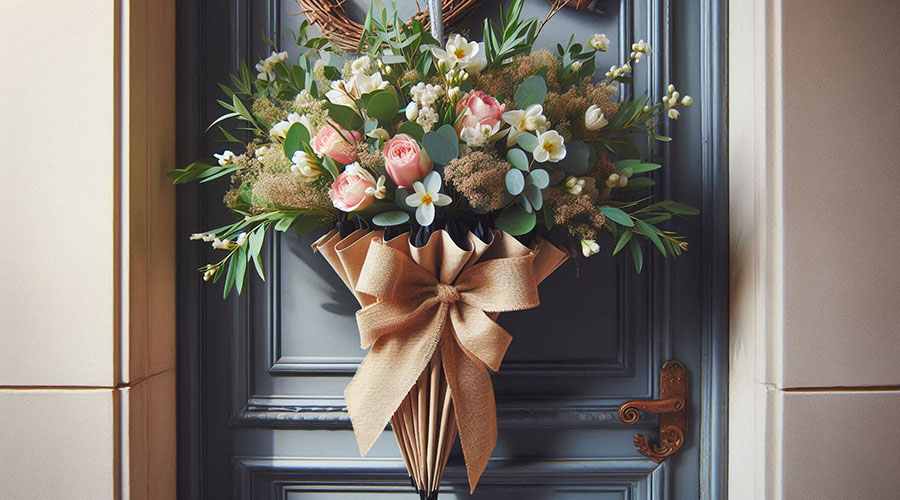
(412, 129)
(618, 216)
(383, 106)
(515, 221)
(295, 138)
(531, 91)
(636, 255)
(640, 168)
(623, 240)
(305, 224)
(650, 232)
(533, 195)
(529, 142)
(515, 182)
(285, 223)
(680, 208)
(539, 177)
(229, 278)
(240, 272)
(331, 166)
(440, 146)
(626, 163)
(516, 157)
(579, 158)
(393, 218)
(344, 116)
(640, 182)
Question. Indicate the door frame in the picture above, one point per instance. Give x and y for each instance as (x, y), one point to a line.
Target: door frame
(194, 18)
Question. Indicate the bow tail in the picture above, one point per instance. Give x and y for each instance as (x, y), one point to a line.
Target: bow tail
(474, 406)
(387, 374)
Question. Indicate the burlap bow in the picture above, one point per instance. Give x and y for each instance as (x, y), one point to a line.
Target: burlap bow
(418, 299)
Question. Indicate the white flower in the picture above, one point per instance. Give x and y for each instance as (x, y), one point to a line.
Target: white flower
(459, 52)
(365, 84)
(425, 198)
(425, 95)
(531, 120)
(576, 66)
(226, 158)
(379, 191)
(360, 65)
(222, 244)
(209, 274)
(687, 100)
(550, 147)
(342, 93)
(305, 166)
(412, 110)
(427, 118)
(480, 135)
(670, 88)
(453, 94)
(642, 47)
(674, 114)
(207, 237)
(379, 133)
(594, 119)
(612, 181)
(279, 130)
(589, 247)
(241, 239)
(266, 67)
(574, 185)
(599, 41)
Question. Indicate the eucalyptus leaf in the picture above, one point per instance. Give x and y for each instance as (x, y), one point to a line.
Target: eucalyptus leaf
(440, 147)
(517, 158)
(515, 221)
(531, 91)
(618, 216)
(529, 142)
(640, 168)
(412, 129)
(295, 138)
(393, 218)
(533, 195)
(515, 182)
(637, 255)
(383, 106)
(346, 117)
(539, 178)
(579, 158)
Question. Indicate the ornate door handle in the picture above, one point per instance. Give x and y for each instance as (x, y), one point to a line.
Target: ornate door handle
(672, 409)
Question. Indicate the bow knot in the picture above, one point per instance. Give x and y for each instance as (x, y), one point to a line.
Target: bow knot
(447, 294)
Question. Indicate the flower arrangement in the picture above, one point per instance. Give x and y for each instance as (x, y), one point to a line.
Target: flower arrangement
(456, 177)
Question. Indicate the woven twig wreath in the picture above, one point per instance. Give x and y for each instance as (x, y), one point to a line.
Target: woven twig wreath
(331, 17)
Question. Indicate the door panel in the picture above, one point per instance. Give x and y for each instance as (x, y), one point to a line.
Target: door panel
(262, 376)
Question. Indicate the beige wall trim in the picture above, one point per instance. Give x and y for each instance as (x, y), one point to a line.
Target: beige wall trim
(145, 373)
(756, 242)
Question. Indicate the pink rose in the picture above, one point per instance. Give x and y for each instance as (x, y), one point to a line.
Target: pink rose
(405, 161)
(348, 193)
(329, 142)
(480, 109)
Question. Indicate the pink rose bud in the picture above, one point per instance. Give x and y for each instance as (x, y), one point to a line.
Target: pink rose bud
(405, 161)
(479, 109)
(341, 149)
(348, 193)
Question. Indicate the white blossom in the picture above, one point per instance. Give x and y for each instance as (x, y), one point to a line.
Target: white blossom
(687, 100)
(589, 247)
(459, 52)
(279, 131)
(674, 114)
(576, 66)
(412, 110)
(531, 119)
(599, 41)
(594, 119)
(379, 191)
(551, 147)
(360, 65)
(266, 67)
(480, 135)
(305, 166)
(426, 197)
(226, 158)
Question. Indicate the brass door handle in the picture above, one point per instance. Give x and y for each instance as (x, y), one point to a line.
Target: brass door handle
(672, 409)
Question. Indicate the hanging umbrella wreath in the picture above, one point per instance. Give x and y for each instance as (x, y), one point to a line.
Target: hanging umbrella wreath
(455, 178)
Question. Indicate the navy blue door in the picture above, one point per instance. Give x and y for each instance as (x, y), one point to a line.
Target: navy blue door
(261, 376)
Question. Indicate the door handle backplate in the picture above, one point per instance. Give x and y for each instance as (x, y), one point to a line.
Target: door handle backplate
(672, 409)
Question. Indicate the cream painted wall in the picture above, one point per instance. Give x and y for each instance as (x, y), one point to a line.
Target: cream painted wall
(814, 174)
(86, 309)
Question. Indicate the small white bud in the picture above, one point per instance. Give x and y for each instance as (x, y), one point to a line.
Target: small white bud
(589, 247)
(674, 114)
(676, 95)
(670, 88)
(576, 66)
(687, 100)
(412, 111)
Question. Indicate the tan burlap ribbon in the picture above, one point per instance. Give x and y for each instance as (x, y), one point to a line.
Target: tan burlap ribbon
(416, 299)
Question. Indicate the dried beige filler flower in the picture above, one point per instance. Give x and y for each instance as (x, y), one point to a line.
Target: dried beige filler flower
(478, 176)
(568, 108)
(503, 82)
(268, 111)
(575, 211)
